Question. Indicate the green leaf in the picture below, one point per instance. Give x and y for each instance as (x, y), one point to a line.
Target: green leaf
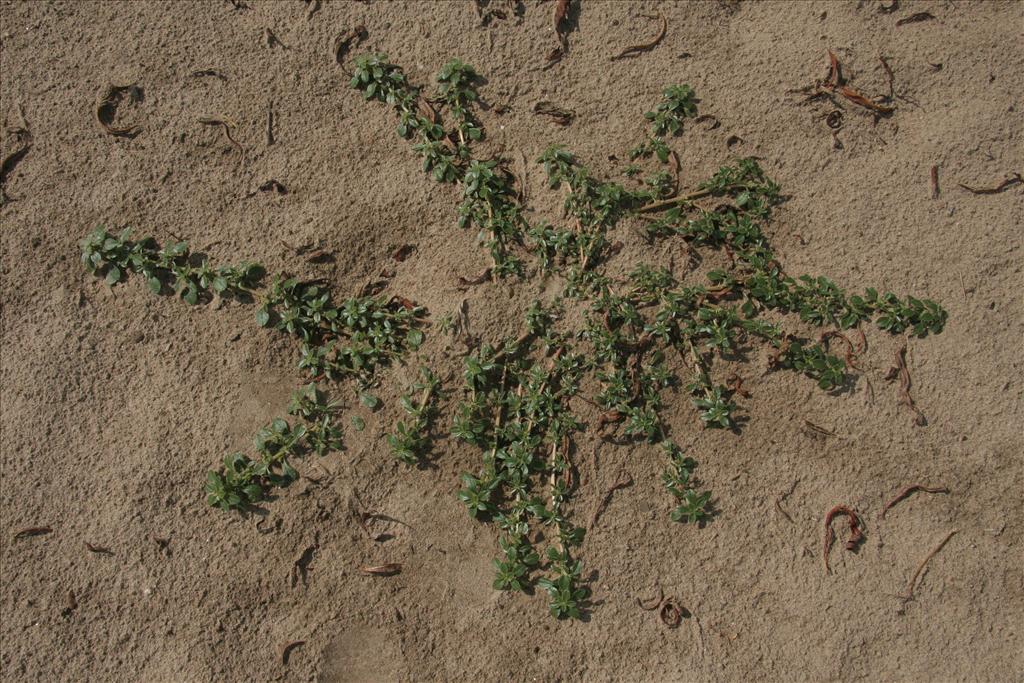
(369, 400)
(414, 339)
(262, 316)
(358, 423)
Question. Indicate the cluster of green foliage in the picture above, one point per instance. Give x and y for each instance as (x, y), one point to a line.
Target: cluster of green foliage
(173, 266)
(679, 480)
(677, 103)
(410, 443)
(515, 404)
(352, 339)
(515, 407)
(490, 202)
(516, 411)
(243, 482)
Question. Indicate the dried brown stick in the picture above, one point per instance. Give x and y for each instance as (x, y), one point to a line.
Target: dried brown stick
(904, 374)
(562, 117)
(909, 595)
(856, 534)
(672, 201)
(634, 50)
(208, 72)
(467, 282)
(651, 605)
(98, 549)
(889, 75)
(32, 531)
(287, 648)
(226, 127)
(909, 490)
(817, 429)
(913, 18)
(1014, 179)
(784, 496)
(935, 182)
(271, 39)
(270, 122)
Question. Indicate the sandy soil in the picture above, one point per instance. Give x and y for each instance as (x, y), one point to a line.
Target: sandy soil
(116, 402)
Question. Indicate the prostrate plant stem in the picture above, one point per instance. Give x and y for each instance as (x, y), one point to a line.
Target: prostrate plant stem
(411, 442)
(348, 341)
(489, 200)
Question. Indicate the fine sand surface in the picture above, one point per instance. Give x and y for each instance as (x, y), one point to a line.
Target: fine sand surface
(116, 402)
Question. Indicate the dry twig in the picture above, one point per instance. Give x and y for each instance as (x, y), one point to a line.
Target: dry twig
(909, 595)
(909, 490)
(635, 50)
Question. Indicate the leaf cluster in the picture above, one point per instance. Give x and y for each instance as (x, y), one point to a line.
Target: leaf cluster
(351, 339)
(680, 482)
(411, 442)
(190, 276)
(243, 481)
(489, 200)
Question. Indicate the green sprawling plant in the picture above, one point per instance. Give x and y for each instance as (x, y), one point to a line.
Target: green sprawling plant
(243, 481)
(489, 200)
(516, 395)
(348, 341)
(174, 266)
(516, 404)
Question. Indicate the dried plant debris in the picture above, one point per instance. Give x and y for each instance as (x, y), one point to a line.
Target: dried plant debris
(1014, 179)
(563, 117)
(561, 20)
(269, 186)
(108, 103)
(636, 50)
(624, 480)
(900, 371)
(226, 127)
(212, 73)
(389, 569)
(856, 532)
(286, 650)
(916, 17)
(909, 593)
(98, 549)
(671, 613)
(271, 40)
(906, 492)
(32, 531)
